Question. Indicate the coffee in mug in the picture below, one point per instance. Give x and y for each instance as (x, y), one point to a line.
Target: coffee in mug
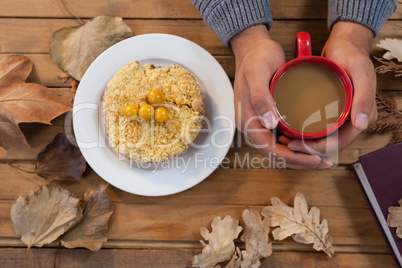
(313, 95)
(310, 98)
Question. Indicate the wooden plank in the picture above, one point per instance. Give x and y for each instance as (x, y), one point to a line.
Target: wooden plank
(338, 187)
(176, 9)
(181, 222)
(148, 244)
(34, 35)
(45, 71)
(152, 258)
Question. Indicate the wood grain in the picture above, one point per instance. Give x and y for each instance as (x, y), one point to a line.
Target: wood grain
(152, 258)
(168, 9)
(37, 39)
(224, 186)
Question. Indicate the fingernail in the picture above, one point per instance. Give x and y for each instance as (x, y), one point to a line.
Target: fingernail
(293, 147)
(326, 164)
(269, 120)
(361, 121)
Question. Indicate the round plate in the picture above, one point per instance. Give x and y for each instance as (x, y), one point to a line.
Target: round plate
(184, 171)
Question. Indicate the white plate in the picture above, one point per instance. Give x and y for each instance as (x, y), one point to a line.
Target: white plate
(183, 171)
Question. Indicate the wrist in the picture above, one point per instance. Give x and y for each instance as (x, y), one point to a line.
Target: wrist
(358, 34)
(253, 33)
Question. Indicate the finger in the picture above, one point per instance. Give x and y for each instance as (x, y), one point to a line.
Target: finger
(284, 140)
(261, 99)
(265, 142)
(327, 146)
(364, 82)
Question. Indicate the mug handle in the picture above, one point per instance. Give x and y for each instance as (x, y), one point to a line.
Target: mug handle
(302, 45)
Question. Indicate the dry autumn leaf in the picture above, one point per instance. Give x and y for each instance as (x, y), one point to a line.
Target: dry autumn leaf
(221, 246)
(60, 160)
(23, 102)
(43, 216)
(256, 238)
(395, 218)
(394, 47)
(303, 225)
(91, 231)
(75, 48)
(235, 261)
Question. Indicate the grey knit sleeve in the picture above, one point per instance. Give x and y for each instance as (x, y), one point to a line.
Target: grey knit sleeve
(229, 17)
(370, 13)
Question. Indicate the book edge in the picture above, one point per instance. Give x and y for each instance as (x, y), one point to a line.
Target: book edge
(364, 182)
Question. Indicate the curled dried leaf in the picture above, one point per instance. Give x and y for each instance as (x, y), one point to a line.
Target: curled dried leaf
(60, 160)
(75, 48)
(23, 102)
(255, 235)
(44, 215)
(303, 225)
(221, 245)
(91, 231)
(395, 218)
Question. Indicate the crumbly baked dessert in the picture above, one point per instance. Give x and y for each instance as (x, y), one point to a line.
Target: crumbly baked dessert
(144, 139)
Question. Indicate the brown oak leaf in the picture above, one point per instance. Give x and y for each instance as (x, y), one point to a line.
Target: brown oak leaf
(60, 160)
(303, 225)
(91, 231)
(75, 48)
(221, 245)
(42, 216)
(395, 218)
(256, 237)
(23, 102)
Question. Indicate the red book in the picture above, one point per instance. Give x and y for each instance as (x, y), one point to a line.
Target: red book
(380, 176)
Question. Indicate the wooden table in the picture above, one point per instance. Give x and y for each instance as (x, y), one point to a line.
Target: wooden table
(164, 231)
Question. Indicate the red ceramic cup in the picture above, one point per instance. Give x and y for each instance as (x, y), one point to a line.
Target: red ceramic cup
(303, 56)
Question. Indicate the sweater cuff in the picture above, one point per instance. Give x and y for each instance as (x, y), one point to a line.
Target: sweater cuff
(370, 13)
(229, 17)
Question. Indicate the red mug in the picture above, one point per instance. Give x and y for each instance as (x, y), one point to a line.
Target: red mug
(303, 56)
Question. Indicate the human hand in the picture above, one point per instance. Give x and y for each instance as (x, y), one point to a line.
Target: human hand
(258, 57)
(349, 46)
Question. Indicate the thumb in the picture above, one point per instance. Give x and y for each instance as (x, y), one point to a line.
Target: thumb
(262, 101)
(364, 106)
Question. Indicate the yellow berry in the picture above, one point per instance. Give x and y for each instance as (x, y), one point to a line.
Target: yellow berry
(146, 112)
(130, 110)
(155, 97)
(161, 114)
